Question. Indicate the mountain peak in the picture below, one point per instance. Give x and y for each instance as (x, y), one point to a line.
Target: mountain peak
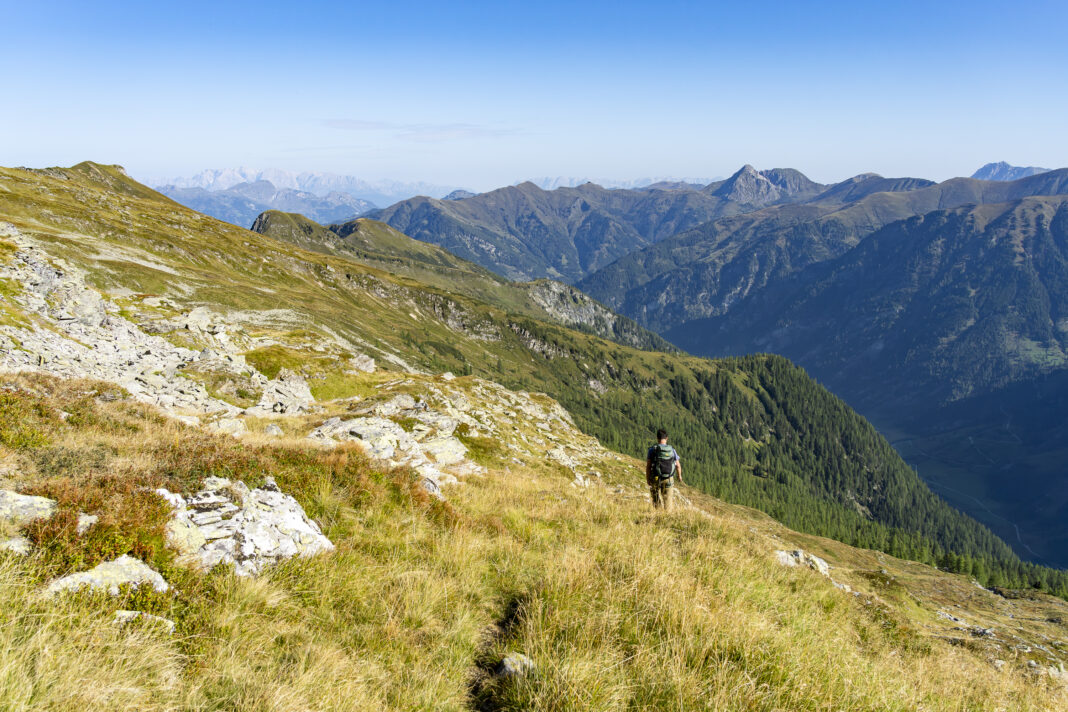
(1004, 171)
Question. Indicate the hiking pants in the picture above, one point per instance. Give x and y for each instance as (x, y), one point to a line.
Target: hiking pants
(660, 490)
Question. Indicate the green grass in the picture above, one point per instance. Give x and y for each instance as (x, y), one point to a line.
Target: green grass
(619, 607)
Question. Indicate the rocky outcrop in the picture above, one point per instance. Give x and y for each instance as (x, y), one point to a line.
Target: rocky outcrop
(288, 394)
(22, 509)
(798, 557)
(110, 577)
(74, 332)
(228, 523)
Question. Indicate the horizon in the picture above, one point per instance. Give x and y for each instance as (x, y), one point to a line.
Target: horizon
(484, 95)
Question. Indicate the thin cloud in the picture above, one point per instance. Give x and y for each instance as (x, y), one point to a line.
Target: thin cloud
(421, 133)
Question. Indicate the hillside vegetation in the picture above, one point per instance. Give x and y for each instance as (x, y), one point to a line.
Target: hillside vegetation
(963, 311)
(616, 607)
(755, 430)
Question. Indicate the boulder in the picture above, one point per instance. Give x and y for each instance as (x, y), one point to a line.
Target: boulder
(287, 394)
(17, 545)
(229, 426)
(444, 450)
(22, 509)
(273, 430)
(85, 522)
(109, 576)
(798, 557)
(515, 665)
(124, 617)
(227, 523)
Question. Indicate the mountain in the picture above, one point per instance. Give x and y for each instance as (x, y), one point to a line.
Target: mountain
(548, 183)
(941, 326)
(242, 203)
(524, 232)
(1003, 171)
(380, 192)
(212, 496)
(376, 244)
(705, 271)
(234, 312)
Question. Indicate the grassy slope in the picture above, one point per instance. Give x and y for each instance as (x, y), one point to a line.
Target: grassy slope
(619, 608)
(734, 413)
(377, 245)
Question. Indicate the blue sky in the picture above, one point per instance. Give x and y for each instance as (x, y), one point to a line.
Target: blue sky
(483, 94)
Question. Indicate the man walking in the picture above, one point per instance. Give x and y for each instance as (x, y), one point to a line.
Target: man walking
(661, 464)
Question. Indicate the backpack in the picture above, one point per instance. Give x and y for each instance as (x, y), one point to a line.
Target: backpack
(663, 459)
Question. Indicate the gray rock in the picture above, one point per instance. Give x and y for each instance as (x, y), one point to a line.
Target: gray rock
(17, 545)
(273, 430)
(227, 523)
(516, 665)
(229, 426)
(799, 557)
(109, 576)
(288, 394)
(22, 509)
(85, 522)
(124, 617)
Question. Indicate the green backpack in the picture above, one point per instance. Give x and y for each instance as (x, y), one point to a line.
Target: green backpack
(663, 461)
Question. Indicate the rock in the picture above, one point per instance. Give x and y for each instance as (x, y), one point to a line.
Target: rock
(515, 665)
(444, 451)
(191, 420)
(124, 617)
(433, 488)
(85, 521)
(289, 394)
(448, 376)
(227, 523)
(394, 405)
(229, 426)
(22, 509)
(273, 430)
(109, 576)
(17, 545)
(799, 557)
(362, 363)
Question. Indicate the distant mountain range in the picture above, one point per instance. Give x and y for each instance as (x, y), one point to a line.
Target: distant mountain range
(548, 183)
(381, 192)
(1003, 171)
(526, 232)
(703, 272)
(241, 203)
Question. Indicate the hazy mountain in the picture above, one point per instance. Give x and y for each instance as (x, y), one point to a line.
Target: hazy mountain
(547, 183)
(379, 192)
(705, 271)
(525, 232)
(1003, 171)
(241, 203)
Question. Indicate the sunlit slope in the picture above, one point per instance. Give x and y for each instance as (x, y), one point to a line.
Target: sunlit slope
(754, 430)
(617, 608)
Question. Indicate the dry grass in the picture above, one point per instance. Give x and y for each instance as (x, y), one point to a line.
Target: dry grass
(620, 608)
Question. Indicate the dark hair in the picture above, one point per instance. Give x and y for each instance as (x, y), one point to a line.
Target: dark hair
(661, 434)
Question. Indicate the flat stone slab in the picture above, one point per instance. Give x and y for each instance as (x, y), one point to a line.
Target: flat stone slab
(22, 509)
(109, 576)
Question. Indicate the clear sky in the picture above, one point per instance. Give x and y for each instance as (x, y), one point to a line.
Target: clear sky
(484, 94)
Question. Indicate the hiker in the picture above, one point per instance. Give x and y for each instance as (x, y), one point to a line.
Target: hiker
(661, 464)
